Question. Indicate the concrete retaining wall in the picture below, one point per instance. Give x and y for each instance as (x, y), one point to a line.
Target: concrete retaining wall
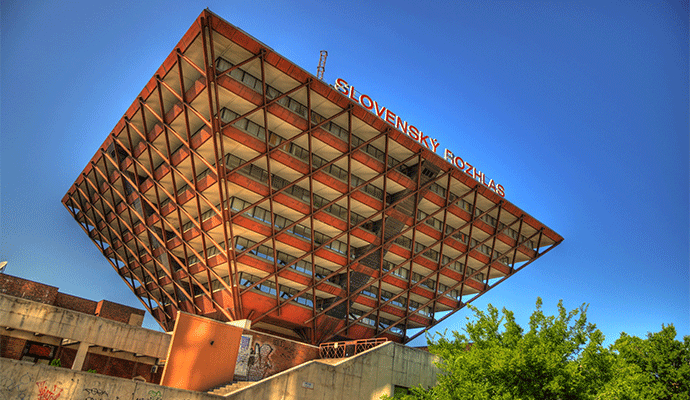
(20, 380)
(366, 376)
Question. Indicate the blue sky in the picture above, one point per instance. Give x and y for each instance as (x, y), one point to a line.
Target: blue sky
(578, 108)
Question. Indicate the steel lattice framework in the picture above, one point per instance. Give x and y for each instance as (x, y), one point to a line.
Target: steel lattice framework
(239, 186)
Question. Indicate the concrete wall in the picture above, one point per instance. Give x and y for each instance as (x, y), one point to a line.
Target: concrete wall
(21, 380)
(365, 376)
(31, 316)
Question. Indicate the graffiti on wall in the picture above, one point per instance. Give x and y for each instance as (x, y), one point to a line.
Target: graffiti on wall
(253, 362)
(14, 388)
(153, 395)
(21, 388)
(48, 392)
(95, 393)
(259, 364)
(27, 386)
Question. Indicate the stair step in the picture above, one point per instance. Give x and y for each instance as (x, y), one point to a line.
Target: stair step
(227, 389)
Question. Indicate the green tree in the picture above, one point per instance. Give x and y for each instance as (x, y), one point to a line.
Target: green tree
(558, 357)
(657, 367)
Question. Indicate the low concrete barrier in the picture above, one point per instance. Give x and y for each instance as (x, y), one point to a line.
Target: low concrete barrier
(367, 375)
(21, 380)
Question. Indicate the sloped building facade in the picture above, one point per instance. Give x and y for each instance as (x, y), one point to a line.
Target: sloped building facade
(239, 186)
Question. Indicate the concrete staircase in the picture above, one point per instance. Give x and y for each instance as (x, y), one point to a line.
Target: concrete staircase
(230, 388)
(365, 375)
(225, 390)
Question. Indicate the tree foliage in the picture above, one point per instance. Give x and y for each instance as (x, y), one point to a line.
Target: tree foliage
(657, 367)
(555, 357)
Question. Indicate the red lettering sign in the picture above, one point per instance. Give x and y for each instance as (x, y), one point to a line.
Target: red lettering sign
(415, 134)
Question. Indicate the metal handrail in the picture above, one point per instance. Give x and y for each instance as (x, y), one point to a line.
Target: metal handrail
(348, 348)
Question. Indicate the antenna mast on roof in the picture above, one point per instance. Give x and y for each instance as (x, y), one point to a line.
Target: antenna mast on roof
(322, 64)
